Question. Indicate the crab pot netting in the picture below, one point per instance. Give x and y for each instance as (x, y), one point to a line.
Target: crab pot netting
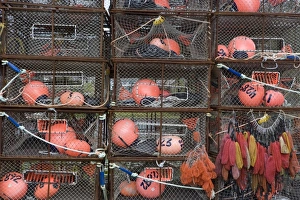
(266, 6)
(75, 4)
(265, 130)
(61, 129)
(138, 133)
(65, 179)
(161, 85)
(194, 5)
(270, 35)
(75, 34)
(173, 37)
(170, 172)
(57, 83)
(235, 91)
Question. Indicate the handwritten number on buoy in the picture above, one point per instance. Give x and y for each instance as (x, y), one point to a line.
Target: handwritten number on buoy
(145, 183)
(166, 142)
(251, 91)
(12, 176)
(221, 52)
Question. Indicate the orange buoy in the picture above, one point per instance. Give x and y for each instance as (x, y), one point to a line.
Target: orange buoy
(147, 188)
(13, 186)
(241, 47)
(273, 98)
(78, 145)
(46, 189)
(170, 145)
(60, 137)
(162, 3)
(35, 91)
(247, 6)
(251, 94)
(124, 133)
(159, 43)
(128, 189)
(72, 98)
(145, 88)
(172, 45)
(222, 51)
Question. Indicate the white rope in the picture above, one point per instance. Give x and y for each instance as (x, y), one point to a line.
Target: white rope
(113, 165)
(56, 145)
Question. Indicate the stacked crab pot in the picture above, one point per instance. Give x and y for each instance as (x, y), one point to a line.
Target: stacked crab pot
(160, 95)
(255, 98)
(53, 93)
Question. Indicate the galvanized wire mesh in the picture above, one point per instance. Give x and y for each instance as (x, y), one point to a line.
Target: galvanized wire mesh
(244, 37)
(181, 5)
(74, 34)
(138, 133)
(31, 179)
(172, 85)
(266, 6)
(64, 129)
(170, 192)
(46, 83)
(139, 36)
(71, 4)
(282, 90)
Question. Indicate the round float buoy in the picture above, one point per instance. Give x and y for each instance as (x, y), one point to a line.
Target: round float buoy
(241, 47)
(13, 186)
(170, 145)
(72, 98)
(128, 189)
(78, 145)
(162, 3)
(172, 45)
(273, 98)
(124, 133)
(46, 189)
(149, 189)
(59, 137)
(251, 94)
(145, 88)
(35, 91)
(247, 6)
(222, 50)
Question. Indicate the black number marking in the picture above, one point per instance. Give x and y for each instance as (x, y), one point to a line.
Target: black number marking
(145, 184)
(251, 91)
(221, 52)
(12, 176)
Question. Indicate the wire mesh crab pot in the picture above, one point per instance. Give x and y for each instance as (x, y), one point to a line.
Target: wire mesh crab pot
(43, 32)
(161, 85)
(60, 135)
(47, 180)
(157, 37)
(276, 86)
(55, 83)
(76, 4)
(169, 172)
(244, 38)
(156, 134)
(266, 6)
(156, 5)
